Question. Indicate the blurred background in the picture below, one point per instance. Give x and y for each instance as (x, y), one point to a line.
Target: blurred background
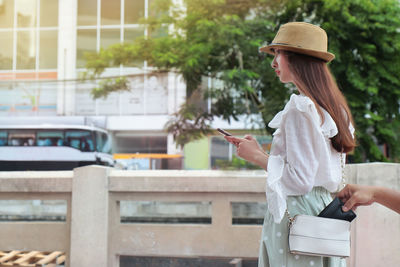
(142, 84)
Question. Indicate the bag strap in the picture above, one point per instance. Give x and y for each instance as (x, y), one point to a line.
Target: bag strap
(343, 176)
(343, 183)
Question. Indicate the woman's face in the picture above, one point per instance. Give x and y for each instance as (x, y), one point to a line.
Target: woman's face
(281, 66)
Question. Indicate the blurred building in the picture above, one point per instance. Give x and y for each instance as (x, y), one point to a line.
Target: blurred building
(42, 57)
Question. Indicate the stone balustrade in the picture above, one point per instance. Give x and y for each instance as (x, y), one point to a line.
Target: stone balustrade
(95, 231)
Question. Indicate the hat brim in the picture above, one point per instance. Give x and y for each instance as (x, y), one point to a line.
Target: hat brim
(326, 56)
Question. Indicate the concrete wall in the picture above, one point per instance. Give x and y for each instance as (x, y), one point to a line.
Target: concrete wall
(376, 230)
(93, 235)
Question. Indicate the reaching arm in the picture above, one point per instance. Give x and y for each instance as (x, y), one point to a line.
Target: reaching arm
(362, 195)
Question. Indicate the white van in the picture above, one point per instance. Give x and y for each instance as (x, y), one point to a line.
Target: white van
(53, 147)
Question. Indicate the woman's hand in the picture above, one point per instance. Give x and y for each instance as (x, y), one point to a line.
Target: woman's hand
(249, 149)
(233, 140)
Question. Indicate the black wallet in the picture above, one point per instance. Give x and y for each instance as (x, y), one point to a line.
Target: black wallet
(334, 211)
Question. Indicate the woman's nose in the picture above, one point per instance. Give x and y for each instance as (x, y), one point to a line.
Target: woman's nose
(274, 64)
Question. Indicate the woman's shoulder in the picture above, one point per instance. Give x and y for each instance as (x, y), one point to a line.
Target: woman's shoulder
(301, 103)
(296, 103)
(302, 107)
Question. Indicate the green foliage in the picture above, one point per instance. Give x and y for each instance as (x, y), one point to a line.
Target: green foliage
(365, 37)
(110, 85)
(220, 39)
(190, 123)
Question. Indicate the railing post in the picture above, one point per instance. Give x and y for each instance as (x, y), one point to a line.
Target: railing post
(89, 221)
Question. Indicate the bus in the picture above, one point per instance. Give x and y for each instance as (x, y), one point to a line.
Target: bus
(53, 147)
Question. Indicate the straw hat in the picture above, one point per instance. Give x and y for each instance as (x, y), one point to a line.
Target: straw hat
(303, 38)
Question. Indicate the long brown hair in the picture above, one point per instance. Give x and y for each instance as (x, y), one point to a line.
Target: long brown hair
(314, 79)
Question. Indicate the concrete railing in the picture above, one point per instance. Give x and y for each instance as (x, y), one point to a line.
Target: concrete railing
(93, 234)
(41, 236)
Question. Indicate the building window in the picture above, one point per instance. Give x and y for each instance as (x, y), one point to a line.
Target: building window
(29, 34)
(48, 49)
(130, 34)
(114, 21)
(6, 51)
(101, 24)
(87, 12)
(26, 50)
(220, 150)
(134, 10)
(86, 43)
(26, 11)
(141, 144)
(6, 14)
(111, 12)
(109, 37)
(48, 13)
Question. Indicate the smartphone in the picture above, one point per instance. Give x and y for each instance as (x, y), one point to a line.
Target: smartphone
(223, 132)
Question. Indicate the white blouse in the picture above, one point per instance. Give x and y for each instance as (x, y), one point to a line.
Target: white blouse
(302, 156)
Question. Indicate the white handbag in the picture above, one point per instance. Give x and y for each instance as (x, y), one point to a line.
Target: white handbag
(318, 236)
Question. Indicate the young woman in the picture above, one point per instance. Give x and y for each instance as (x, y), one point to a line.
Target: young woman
(313, 133)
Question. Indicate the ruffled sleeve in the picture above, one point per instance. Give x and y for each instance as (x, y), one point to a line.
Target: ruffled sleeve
(328, 128)
(276, 197)
(299, 141)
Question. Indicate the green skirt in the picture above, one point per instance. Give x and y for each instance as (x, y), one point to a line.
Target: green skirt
(274, 250)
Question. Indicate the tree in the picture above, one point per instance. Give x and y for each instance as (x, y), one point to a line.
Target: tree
(220, 39)
(365, 37)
